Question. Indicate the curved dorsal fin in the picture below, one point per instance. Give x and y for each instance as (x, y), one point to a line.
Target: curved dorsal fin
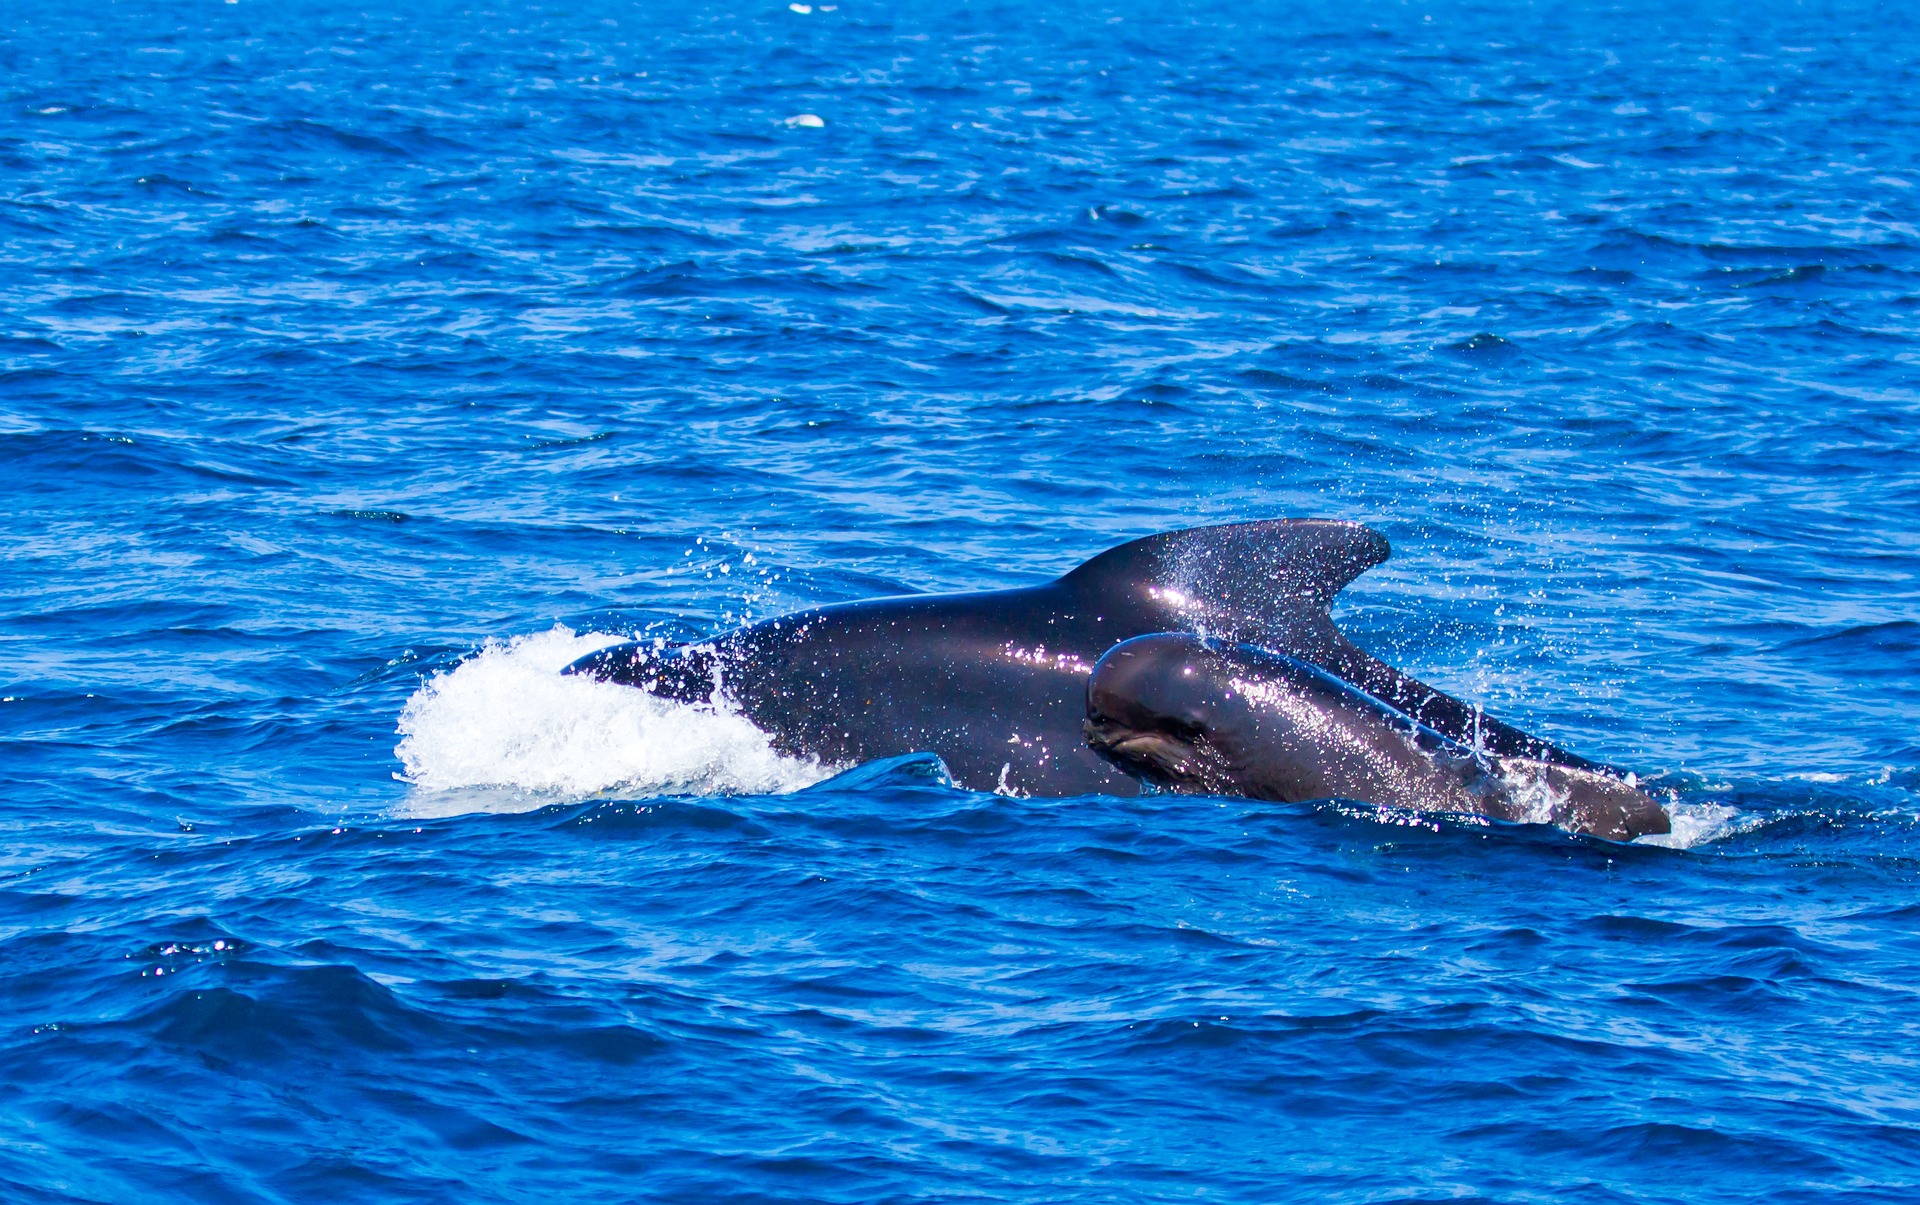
(1270, 584)
(1243, 581)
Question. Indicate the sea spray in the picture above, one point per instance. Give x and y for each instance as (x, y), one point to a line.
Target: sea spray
(507, 718)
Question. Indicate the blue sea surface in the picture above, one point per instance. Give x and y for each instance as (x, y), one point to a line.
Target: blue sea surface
(360, 365)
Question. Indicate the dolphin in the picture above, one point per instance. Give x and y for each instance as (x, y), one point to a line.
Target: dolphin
(1201, 715)
(996, 682)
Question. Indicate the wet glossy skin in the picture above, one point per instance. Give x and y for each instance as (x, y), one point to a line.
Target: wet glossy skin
(996, 682)
(1206, 716)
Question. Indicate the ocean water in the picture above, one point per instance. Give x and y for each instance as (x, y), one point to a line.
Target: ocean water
(361, 365)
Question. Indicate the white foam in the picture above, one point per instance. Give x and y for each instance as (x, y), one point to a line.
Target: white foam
(505, 730)
(1698, 823)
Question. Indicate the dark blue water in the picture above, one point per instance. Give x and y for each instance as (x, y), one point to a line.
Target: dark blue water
(360, 367)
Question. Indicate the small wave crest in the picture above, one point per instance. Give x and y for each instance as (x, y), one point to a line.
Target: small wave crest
(505, 730)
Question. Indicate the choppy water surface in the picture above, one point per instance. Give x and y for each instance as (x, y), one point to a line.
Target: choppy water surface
(360, 366)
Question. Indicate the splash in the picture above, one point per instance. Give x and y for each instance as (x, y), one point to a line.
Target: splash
(505, 730)
(1696, 824)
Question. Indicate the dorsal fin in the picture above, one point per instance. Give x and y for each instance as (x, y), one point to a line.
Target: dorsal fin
(1243, 581)
(1270, 584)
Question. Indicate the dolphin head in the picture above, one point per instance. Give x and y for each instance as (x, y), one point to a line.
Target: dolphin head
(1201, 715)
(1156, 709)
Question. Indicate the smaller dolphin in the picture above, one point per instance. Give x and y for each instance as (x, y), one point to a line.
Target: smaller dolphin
(1206, 716)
